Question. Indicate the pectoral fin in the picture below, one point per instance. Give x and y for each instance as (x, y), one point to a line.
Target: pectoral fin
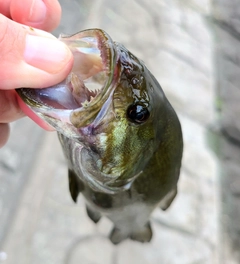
(143, 235)
(167, 200)
(117, 235)
(75, 185)
(93, 215)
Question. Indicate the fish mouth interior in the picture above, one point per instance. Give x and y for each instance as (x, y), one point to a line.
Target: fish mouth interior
(87, 82)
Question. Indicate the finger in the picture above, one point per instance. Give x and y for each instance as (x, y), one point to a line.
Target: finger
(31, 57)
(9, 107)
(4, 134)
(5, 7)
(42, 14)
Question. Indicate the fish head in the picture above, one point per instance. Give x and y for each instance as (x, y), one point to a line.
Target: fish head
(110, 104)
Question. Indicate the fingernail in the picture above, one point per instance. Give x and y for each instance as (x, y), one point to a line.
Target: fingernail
(37, 11)
(50, 55)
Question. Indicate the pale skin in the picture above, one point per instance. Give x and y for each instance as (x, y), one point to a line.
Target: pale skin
(29, 56)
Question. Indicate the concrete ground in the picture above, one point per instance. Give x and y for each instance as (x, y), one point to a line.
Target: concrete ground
(39, 222)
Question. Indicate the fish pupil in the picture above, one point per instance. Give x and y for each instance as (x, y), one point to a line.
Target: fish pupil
(137, 113)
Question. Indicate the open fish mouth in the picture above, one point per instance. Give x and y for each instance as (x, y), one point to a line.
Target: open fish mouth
(77, 100)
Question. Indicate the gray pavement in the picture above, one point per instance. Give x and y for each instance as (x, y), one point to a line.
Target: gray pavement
(40, 224)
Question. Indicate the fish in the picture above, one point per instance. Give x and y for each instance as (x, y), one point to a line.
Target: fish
(120, 135)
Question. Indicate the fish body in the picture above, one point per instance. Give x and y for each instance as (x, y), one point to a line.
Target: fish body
(120, 135)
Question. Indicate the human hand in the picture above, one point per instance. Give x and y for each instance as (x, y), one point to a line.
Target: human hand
(29, 57)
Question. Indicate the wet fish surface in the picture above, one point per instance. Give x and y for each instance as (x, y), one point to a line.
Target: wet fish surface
(120, 135)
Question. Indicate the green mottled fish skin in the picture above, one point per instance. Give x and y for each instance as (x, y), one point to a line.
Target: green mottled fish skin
(152, 149)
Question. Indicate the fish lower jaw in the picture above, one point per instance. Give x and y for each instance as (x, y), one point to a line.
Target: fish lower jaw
(107, 183)
(112, 186)
(98, 186)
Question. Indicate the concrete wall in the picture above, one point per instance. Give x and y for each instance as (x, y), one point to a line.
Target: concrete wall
(226, 25)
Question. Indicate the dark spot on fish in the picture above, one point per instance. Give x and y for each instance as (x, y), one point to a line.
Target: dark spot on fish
(102, 200)
(129, 193)
(93, 148)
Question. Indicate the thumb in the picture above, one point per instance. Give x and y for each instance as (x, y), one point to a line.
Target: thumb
(31, 57)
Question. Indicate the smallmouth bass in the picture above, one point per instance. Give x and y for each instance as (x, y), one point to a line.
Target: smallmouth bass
(120, 135)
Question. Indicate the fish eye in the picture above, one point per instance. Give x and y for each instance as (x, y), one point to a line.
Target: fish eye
(137, 113)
